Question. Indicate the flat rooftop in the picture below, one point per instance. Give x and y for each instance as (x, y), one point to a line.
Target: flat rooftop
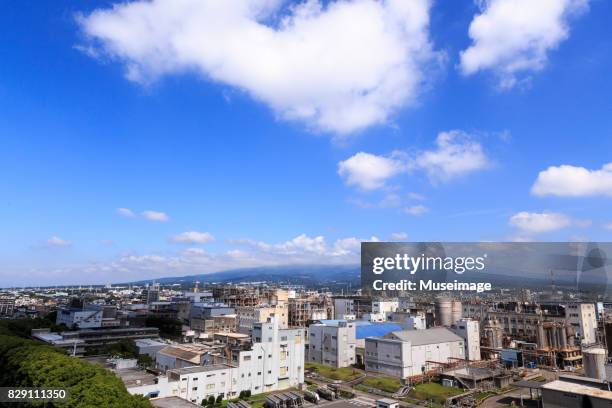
(172, 402)
(201, 369)
(134, 377)
(352, 403)
(564, 386)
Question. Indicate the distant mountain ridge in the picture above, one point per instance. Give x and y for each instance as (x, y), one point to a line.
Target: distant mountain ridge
(308, 275)
(326, 275)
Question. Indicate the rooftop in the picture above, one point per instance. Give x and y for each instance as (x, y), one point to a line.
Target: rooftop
(172, 402)
(201, 369)
(135, 377)
(148, 342)
(428, 336)
(564, 386)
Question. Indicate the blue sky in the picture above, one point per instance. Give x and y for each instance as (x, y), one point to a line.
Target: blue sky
(264, 154)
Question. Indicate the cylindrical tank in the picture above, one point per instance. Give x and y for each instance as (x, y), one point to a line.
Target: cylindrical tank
(594, 360)
(444, 311)
(563, 337)
(499, 338)
(542, 343)
(456, 311)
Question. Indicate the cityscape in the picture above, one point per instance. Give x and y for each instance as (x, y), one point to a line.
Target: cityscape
(264, 344)
(306, 203)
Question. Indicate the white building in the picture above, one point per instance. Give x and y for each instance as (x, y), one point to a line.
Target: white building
(412, 352)
(469, 331)
(583, 316)
(414, 323)
(332, 343)
(274, 362)
(83, 319)
(343, 308)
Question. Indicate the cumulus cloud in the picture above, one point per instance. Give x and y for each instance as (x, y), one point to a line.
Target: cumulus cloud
(193, 237)
(456, 154)
(126, 212)
(536, 223)
(399, 236)
(243, 253)
(340, 66)
(369, 171)
(416, 210)
(56, 241)
(513, 37)
(573, 181)
(155, 216)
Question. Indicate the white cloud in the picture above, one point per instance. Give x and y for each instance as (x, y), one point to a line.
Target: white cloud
(155, 216)
(608, 226)
(193, 237)
(457, 154)
(56, 241)
(243, 253)
(573, 181)
(193, 252)
(339, 66)
(368, 171)
(416, 210)
(126, 212)
(399, 236)
(536, 223)
(513, 37)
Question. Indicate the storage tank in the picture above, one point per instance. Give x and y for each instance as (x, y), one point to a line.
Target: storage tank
(594, 360)
(456, 311)
(444, 311)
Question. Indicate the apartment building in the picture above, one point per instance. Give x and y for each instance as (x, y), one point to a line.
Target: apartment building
(332, 343)
(412, 352)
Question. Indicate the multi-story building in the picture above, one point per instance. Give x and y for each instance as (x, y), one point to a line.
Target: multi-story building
(248, 316)
(274, 361)
(79, 318)
(150, 294)
(89, 317)
(412, 352)
(7, 305)
(352, 306)
(306, 309)
(332, 343)
(469, 331)
(583, 316)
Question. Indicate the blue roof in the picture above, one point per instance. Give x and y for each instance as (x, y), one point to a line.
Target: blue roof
(365, 329)
(375, 329)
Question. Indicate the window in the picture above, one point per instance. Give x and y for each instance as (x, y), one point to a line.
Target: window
(247, 358)
(210, 386)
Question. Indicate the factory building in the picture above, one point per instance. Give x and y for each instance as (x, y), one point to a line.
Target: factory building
(576, 392)
(469, 331)
(332, 342)
(520, 320)
(410, 353)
